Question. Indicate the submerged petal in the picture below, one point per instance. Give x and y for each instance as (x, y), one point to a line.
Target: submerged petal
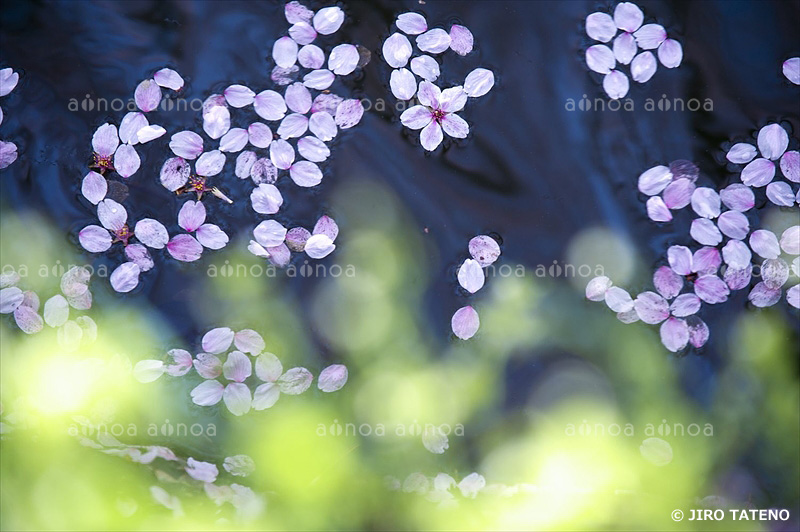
(763, 296)
(461, 39)
(332, 378)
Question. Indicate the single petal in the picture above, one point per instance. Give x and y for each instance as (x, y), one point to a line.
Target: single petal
(186, 144)
(313, 149)
(624, 49)
(643, 67)
(650, 36)
(763, 296)
(112, 215)
(403, 84)
(207, 393)
(596, 288)
(435, 440)
(651, 307)
(284, 76)
(295, 381)
(600, 59)
(266, 199)
(322, 125)
(185, 248)
(685, 305)
(738, 197)
(793, 294)
(758, 173)
(680, 259)
(259, 134)
(181, 362)
(705, 232)
(455, 126)
(654, 180)
(628, 17)
(678, 194)
(790, 166)
(8, 81)
(326, 226)
(305, 174)
(774, 273)
(349, 113)
(319, 79)
(216, 121)
(234, 140)
(416, 117)
(217, 340)
(765, 244)
(736, 279)
(10, 299)
(202, 471)
(263, 172)
(269, 233)
(148, 133)
(129, 127)
(293, 126)
(94, 187)
(268, 367)
(600, 27)
(470, 276)
(618, 300)
(328, 20)
(734, 224)
(674, 334)
(237, 367)
(343, 59)
(211, 236)
(249, 341)
(281, 154)
(265, 396)
(332, 378)
(790, 240)
(296, 238)
(791, 69)
(75, 282)
(269, 105)
(148, 370)
(192, 215)
(683, 169)
(471, 485)
(151, 233)
(284, 52)
(209, 366)
(478, 82)
(411, 23)
(616, 84)
(706, 202)
(311, 56)
(711, 289)
(431, 136)
(461, 39)
(139, 255)
(28, 320)
(484, 249)
(668, 283)
(279, 255)
(780, 193)
(433, 41)
(147, 95)
(741, 153)
(319, 246)
(452, 100)
(657, 210)
(126, 160)
(296, 12)
(8, 154)
(298, 98)
(772, 141)
(670, 53)
(698, 331)
(240, 465)
(706, 260)
(736, 254)
(465, 323)
(169, 79)
(125, 277)
(95, 239)
(302, 33)
(105, 140)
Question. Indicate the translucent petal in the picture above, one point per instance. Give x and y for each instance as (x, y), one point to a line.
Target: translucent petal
(465, 323)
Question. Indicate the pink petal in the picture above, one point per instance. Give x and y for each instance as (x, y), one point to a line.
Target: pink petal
(147, 95)
(470, 276)
(790, 240)
(733, 224)
(326, 226)
(329, 19)
(616, 84)
(279, 255)
(192, 215)
(322, 125)
(416, 117)
(774, 273)
(643, 67)
(94, 187)
(624, 49)
(683, 169)
(628, 17)
(678, 194)
(298, 99)
(793, 294)
(650, 36)
(263, 171)
(657, 210)
(311, 56)
(618, 300)
(249, 341)
(738, 197)
(151, 233)
(112, 215)
(596, 288)
(234, 140)
(281, 154)
(10, 299)
(780, 193)
(169, 79)
(181, 362)
(28, 320)
(211, 236)
(403, 84)
(706, 202)
(465, 323)
(8, 81)
(313, 149)
(237, 367)
(425, 67)
(790, 166)
(349, 113)
(94, 239)
(266, 199)
(268, 367)
(105, 140)
(319, 246)
(680, 259)
(461, 39)
(293, 126)
(130, 126)
(139, 255)
(284, 52)
(736, 279)
(651, 307)
(207, 393)
(305, 174)
(667, 282)
(431, 136)
(302, 33)
(174, 173)
(698, 331)
(209, 366)
(8, 154)
(670, 53)
(741, 153)
(295, 381)
(296, 12)
(269, 105)
(478, 82)
(706, 260)
(654, 180)
(758, 173)
(763, 296)
(296, 238)
(765, 244)
(455, 126)
(210, 163)
(319, 79)
(685, 305)
(126, 160)
(772, 141)
(259, 134)
(343, 59)
(434, 41)
(411, 23)
(185, 248)
(217, 340)
(148, 133)
(600, 58)
(791, 69)
(284, 76)
(736, 254)
(269, 233)
(186, 144)
(600, 27)
(237, 398)
(332, 378)
(674, 334)
(216, 121)
(125, 277)
(484, 249)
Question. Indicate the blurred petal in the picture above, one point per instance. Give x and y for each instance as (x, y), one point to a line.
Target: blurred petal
(237, 367)
(263, 171)
(268, 367)
(736, 279)
(332, 378)
(774, 273)
(265, 396)
(209, 366)
(249, 341)
(296, 12)
(763, 296)
(28, 320)
(296, 238)
(181, 362)
(217, 340)
(148, 370)
(790, 240)
(698, 331)
(202, 471)
(139, 255)
(295, 381)
(465, 323)
(596, 288)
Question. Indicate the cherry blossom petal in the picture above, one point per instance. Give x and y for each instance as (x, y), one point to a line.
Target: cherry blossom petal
(10, 299)
(600, 27)
(216, 121)
(736, 254)
(425, 67)
(349, 113)
(319, 246)
(186, 144)
(322, 125)
(126, 160)
(431, 136)
(319, 79)
(281, 154)
(332, 378)
(628, 17)
(266, 199)
(736, 279)
(643, 67)
(105, 140)
(651, 308)
(774, 273)
(94, 239)
(680, 259)
(465, 323)
(112, 215)
(683, 169)
(28, 320)
(791, 69)
(181, 362)
(130, 126)
(207, 393)
(328, 20)
(711, 289)
(429, 94)
(269, 233)
(650, 36)
(185, 248)
(484, 249)
(674, 334)
(734, 224)
(738, 197)
(411, 23)
(311, 56)
(772, 141)
(8, 81)
(268, 367)
(793, 294)
(284, 52)
(670, 53)
(293, 126)
(758, 173)
(706, 260)
(295, 381)
(478, 82)
(706, 202)
(211, 236)
(207, 365)
(618, 300)
(302, 33)
(305, 174)
(790, 166)
(125, 277)
(461, 39)
(624, 49)
(147, 95)
(667, 282)
(265, 396)
(654, 180)
(616, 84)
(790, 240)
(326, 226)
(269, 105)
(148, 370)
(296, 238)
(192, 215)
(279, 255)
(741, 153)
(151, 233)
(296, 12)
(169, 79)
(298, 98)
(763, 296)
(455, 126)
(470, 276)
(416, 117)
(765, 244)
(263, 172)
(343, 59)
(148, 133)
(8, 154)
(678, 194)
(284, 76)
(237, 367)
(705, 232)
(780, 193)
(600, 59)
(698, 331)
(657, 210)
(94, 187)
(596, 288)
(234, 140)
(139, 255)
(313, 149)
(210, 163)
(403, 84)
(259, 135)
(685, 305)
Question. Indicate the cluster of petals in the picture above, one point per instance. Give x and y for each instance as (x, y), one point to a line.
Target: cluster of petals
(25, 304)
(629, 34)
(484, 251)
(8, 82)
(435, 113)
(226, 381)
(188, 247)
(274, 242)
(440, 489)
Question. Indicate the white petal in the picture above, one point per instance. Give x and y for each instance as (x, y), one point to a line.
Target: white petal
(616, 84)
(470, 276)
(434, 41)
(396, 50)
(343, 59)
(425, 67)
(411, 23)
(329, 19)
(284, 52)
(403, 84)
(600, 58)
(643, 67)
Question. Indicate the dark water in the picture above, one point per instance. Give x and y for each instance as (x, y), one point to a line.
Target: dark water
(531, 171)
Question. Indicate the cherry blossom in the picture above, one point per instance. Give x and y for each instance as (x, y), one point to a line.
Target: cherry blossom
(8, 150)
(436, 114)
(192, 218)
